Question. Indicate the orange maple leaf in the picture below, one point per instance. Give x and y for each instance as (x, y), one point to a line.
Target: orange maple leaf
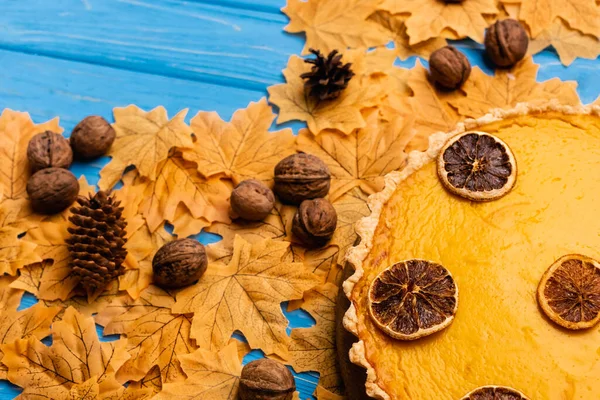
(75, 357)
(432, 18)
(246, 295)
(155, 336)
(143, 140)
(329, 25)
(241, 149)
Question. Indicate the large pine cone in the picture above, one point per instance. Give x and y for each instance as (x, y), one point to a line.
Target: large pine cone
(328, 76)
(96, 241)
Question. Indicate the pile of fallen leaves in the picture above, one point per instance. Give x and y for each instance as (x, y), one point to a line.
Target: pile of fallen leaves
(418, 27)
(171, 172)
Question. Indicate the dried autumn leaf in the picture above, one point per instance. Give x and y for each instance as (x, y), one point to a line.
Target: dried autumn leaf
(146, 388)
(314, 349)
(342, 113)
(324, 262)
(211, 375)
(143, 140)
(539, 15)
(350, 209)
(155, 336)
(362, 158)
(184, 223)
(433, 18)
(509, 87)
(241, 149)
(246, 295)
(15, 253)
(178, 181)
(34, 321)
(323, 394)
(568, 43)
(88, 390)
(76, 356)
(395, 25)
(10, 298)
(431, 108)
(329, 26)
(277, 225)
(16, 129)
(80, 303)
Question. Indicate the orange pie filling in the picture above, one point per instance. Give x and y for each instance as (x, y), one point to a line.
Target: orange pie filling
(497, 252)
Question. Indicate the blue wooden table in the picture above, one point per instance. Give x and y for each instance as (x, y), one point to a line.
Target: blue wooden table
(73, 58)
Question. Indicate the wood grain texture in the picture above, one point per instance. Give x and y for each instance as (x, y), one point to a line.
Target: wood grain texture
(73, 58)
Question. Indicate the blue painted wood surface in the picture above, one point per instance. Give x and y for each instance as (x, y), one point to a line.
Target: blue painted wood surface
(73, 58)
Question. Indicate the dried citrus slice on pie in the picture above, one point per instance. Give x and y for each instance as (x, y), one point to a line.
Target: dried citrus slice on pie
(412, 299)
(569, 292)
(495, 393)
(478, 166)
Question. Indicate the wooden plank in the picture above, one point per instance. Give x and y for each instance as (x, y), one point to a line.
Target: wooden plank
(197, 41)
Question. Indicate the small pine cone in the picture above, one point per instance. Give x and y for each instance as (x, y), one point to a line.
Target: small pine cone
(328, 76)
(96, 241)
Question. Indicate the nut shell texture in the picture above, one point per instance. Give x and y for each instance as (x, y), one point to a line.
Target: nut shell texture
(252, 200)
(315, 222)
(49, 150)
(300, 177)
(92, 137)
(265, 379)
(449, 67)
(506, 42)
(179, 263)
(52, 190)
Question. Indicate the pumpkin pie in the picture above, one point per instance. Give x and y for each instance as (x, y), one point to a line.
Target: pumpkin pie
(497, 253)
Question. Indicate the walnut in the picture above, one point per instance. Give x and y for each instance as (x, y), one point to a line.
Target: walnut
(179, 263)
(92, 137)
(449, 67)
(301, 176)
(315, 222)
(52, 190)
(266, 379)
(49, 150)
(506, 42)
(251, 200)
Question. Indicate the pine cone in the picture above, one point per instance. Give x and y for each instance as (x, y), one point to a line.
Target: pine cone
(96, 242)
(328, 76)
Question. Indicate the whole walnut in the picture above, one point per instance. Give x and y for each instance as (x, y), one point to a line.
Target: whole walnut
(49, 150)
(52, 190)
(266, 379)
(92, 137)
(251, 200)
(301, 176)
(314, 223)
(449, 67)
(506, 42)
(179, 263)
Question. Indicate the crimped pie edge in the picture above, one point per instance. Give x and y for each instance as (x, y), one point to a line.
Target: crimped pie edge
(365, 228)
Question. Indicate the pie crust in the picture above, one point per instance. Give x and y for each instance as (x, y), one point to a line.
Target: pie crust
(366, 227)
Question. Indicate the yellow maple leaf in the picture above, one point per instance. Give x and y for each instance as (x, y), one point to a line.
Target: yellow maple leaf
(79, 300)
(155, 336)
(15, 253)
(76, 356)
(211, 375)
(342, 113)
(241, 149)
(245, 295)
(323, 394)
(568, 43)
(143, 140)
(184, 223)
(16, 129)
(323, 262)
(350, 209)
(146, 388)
(395, 25)
(10, 298)
(88, 390)
(314, 349)
(178, 181)
(33, 321)
(329, 25)
(509, 87)
(362, 158)
(432, 18)
(539, 15)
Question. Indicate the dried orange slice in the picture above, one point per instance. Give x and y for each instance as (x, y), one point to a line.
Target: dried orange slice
(495, 393)
(412, 299)
(478, 166)
(569, 292)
